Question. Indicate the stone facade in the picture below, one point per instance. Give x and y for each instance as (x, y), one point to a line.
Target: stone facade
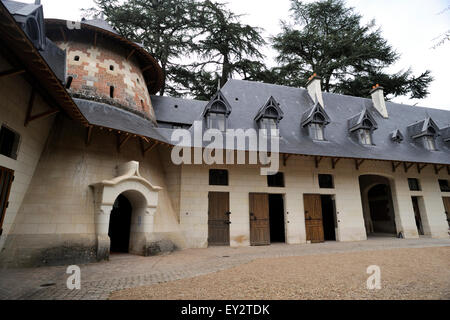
(301, 177)
(58, 213)
(15, 94)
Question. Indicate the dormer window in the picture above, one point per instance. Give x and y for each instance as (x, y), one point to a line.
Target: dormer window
(217, 112)
(269, 116)
(365, 136)
(316, 119)
(363, 125)
(428, 142)
(426, 131)
(216, 120)
(396, 136)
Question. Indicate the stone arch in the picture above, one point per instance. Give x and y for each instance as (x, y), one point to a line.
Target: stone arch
(368, 182)
(144, 200)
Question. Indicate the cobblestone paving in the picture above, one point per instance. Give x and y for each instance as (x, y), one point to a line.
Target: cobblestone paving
(98, 280)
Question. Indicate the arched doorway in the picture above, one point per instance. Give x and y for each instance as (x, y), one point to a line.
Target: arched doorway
(378, 208)
(119, 225)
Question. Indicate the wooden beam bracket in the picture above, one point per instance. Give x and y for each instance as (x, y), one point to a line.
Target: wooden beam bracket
(358, 163)
(407, 166)
(395, 165)
(317, 161)
(421, 167)
(11, 72)
(88, 135)
(334, 162)
(121, 142)
(438, 168)
(285, 158)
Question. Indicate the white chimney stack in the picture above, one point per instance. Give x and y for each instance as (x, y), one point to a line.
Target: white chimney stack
(314, 89)
(378, 100)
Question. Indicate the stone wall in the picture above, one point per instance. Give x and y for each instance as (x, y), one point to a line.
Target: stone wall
(56, 222)
(301, 177)
(15, 94)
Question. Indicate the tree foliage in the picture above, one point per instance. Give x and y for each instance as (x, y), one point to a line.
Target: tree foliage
(329, 39)
(200, 44)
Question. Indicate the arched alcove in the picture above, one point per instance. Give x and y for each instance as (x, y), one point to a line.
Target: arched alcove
(378, 206)
(143, 198)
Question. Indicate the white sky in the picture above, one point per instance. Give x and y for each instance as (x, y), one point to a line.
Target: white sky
(410, 26)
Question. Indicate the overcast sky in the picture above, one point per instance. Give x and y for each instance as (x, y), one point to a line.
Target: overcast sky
(410, 26)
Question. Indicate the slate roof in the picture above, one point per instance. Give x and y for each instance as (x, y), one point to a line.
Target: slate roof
(100, 23)
(20, 8)
(246, 98)
(104, 115)
(177, 110)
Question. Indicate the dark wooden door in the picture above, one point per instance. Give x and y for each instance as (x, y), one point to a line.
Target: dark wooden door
(313, 218)
(218, 219)
(447, 208)
(259, 219)
(6, 179)
(417, 215)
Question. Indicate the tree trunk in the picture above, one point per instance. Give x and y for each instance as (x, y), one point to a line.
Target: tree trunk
(225, 70)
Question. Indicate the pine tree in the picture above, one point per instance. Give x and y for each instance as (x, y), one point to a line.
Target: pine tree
(329, 39)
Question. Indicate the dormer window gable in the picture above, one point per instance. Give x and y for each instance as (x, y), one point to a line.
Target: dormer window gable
(425, 131)
(315, 119)
(445, 133)
(397, 136)
(269, 116)
(363, 125)
(216, 112)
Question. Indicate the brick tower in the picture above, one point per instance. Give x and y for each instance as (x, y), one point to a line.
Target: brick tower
(103, 66)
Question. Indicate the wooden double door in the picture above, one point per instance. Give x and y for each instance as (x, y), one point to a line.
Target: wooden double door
(259, 219)
(219, 219)
(313, 218)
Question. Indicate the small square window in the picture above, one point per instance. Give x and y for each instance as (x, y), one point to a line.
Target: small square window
(9, 142)
(216, 121)
(444, 185)
(276, 180)
(326, 181)
(316, 131)
(413, 184)
(218, 177)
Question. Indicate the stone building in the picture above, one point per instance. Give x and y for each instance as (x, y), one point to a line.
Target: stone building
(86, 166)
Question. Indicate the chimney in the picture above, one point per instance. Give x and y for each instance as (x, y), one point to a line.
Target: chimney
(314, 89)
(37, 2)
(378, 100)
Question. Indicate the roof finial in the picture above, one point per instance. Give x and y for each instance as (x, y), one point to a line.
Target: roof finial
(218, 84)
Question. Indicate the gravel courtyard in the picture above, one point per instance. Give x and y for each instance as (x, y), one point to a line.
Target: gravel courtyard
(410, 273)
(414, 268)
